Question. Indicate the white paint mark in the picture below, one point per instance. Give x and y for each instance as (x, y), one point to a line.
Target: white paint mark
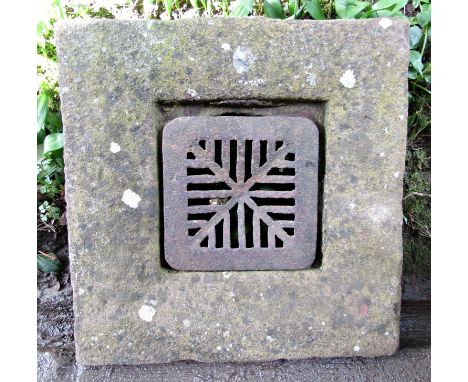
(312, 79)
(192, 93)
(114, 147)
(226, 275)
(218, 348)
(387, 333)
(131, 199)
(226, 46)
(191, 58)
(396, 174)
(389, 64)
(347, 79)
(187, 323)
(310, 327)
(256, 82)
(311, 76)
(385, 23)
(243, 58)
(356, 348)
(352, 206)
(382, 155)
(323, 323)
(146, 313)
(269, 338)
(401, 116)
(81, 292)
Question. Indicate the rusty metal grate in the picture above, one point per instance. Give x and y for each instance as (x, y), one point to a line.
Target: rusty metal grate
(240, 192)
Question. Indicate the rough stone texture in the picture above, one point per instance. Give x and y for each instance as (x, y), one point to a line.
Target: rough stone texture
(128, 308)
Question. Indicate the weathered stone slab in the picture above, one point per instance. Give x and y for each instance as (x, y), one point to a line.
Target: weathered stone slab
(119, 78)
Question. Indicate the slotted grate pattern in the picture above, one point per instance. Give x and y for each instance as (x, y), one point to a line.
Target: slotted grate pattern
(240, 192)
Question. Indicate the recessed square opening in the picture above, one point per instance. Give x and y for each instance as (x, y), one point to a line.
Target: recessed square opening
(240, 230)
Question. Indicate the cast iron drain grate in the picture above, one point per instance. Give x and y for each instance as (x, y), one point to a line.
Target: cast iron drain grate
(240, 193)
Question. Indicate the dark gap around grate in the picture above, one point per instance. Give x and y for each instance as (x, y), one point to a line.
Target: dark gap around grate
(207, 186)
(191, 171)
(219, 234)
(289, 231)
(193, 231)
(273, 187)
(234, 228)
(218, 149)
(248, 160)
(314, 110)
(278, 242)
(263, 234)
(233, 160)
(263, 152)
(198, 202)
(281, 216)
(248, 218)
(273, 201)
(200, 216)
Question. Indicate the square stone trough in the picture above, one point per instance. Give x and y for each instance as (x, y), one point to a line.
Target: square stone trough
(122, 82)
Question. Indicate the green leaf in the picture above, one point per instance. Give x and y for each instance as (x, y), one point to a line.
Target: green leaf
(416, 60)
(412, 74)
(41, 25)
(349, 9)
(314, 8)
(48, 262)
(415, 34)
(168, 4)
(273, 9)
(40, 153)
(242, 8)
(54, 122)
(424, 18)
(41, 134)
(53, 142)
(385, 4)
(42, 109)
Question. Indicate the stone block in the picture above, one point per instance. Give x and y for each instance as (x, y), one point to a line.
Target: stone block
(121, 82)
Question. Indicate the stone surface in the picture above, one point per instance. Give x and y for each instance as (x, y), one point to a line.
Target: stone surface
(240, 193)
(116, 78)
